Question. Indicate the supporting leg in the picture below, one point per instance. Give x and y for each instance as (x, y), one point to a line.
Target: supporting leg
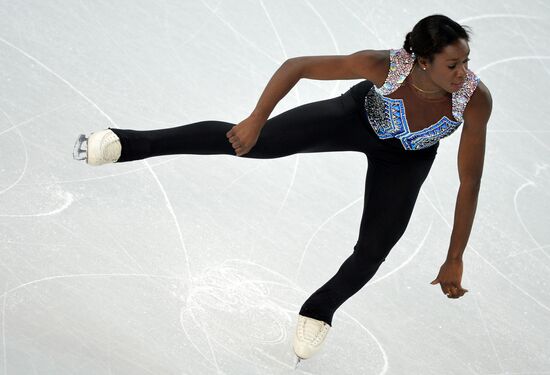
(391, 191)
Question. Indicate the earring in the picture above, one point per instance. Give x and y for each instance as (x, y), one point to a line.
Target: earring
(423, 68)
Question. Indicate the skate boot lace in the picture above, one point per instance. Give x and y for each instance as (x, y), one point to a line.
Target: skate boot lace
(313, 331)
(109, 152)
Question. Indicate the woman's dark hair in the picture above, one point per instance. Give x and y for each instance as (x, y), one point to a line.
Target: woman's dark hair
(433, 33)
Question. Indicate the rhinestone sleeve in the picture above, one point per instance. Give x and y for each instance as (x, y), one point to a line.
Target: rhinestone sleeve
(462, 96)
(401, 63)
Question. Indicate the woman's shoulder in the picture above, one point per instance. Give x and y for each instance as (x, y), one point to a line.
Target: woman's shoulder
(480, 103)
(380, 66)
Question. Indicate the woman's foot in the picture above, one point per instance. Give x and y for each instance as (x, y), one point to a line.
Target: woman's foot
(99, 148)
(309, 337)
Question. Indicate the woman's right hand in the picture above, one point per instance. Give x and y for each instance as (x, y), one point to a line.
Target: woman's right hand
(244, 135)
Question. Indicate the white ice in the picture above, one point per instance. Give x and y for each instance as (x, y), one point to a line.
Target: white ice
(189, 264)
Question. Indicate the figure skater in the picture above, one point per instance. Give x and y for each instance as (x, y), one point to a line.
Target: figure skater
(428, 76)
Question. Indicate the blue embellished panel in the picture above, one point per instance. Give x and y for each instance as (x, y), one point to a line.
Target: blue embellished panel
(388, 119)
(429, 136)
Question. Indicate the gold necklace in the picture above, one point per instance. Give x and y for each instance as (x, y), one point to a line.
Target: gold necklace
(424, 91)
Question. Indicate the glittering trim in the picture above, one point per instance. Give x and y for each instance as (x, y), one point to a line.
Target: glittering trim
(462, 96)
(401, 63)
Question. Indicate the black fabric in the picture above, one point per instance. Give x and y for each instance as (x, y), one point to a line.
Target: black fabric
(393, 179)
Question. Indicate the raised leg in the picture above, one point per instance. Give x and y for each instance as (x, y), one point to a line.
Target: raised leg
(327, 125)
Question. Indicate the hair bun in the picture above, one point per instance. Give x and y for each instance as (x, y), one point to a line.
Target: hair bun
(408, 42)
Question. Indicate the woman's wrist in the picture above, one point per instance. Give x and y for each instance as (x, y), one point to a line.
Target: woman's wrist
(259, 115)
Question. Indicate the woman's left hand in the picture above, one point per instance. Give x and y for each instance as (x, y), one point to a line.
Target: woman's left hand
(450, 276)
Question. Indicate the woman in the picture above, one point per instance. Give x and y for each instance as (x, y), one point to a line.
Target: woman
(429, 77)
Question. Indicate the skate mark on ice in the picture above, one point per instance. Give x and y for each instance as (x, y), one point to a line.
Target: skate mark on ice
(298, 99)
(327, 220)
(385, 365)
(516, 209)
(497, 15)
(31, 119)
(45, 67)
(174, 217)
(82, 275)
(119, 174)
(239, 34)
(326, 26)
(25, 150)
(67, 196)
(5, 354)
(523, 252)
(488, 333)
(225, 305)
(520, 58)
(227, 289)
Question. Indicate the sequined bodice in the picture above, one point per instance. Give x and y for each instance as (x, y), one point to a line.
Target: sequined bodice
(387, 116)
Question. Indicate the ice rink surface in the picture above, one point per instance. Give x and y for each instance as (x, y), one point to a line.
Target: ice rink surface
(189, 264)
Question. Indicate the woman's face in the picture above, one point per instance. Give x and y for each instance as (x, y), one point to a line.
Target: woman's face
(449, 67)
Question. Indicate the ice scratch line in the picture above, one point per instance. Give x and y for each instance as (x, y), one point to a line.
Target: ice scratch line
(526, 39)
(31, 119)
(516, 194)
(514, 58)
(235, 180)
(353, 14)
(112, 175)
(69, 199)
(497, 15)
(298, 99)
(384, 355)
(173, 214)
(25, 150)
(4, 331)
(537, 248)
(290, 185)
(317, 231)
(335, 88)
(58, 76)
(240, 35)
(212, 360)
(483, 320)
(325, 25)
(49, 278)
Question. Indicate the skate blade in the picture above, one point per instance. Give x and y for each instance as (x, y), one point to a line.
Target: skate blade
(298, 360)
(81, 148)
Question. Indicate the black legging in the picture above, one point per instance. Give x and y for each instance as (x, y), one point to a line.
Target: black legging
(394, 175)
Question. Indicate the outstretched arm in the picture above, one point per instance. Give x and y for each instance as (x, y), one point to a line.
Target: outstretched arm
(361, 64)
(471, 154)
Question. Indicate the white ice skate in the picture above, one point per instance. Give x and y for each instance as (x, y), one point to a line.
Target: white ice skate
(309, 337)
(99, 148)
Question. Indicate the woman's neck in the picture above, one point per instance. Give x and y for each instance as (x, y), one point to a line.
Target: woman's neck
(422, 85)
